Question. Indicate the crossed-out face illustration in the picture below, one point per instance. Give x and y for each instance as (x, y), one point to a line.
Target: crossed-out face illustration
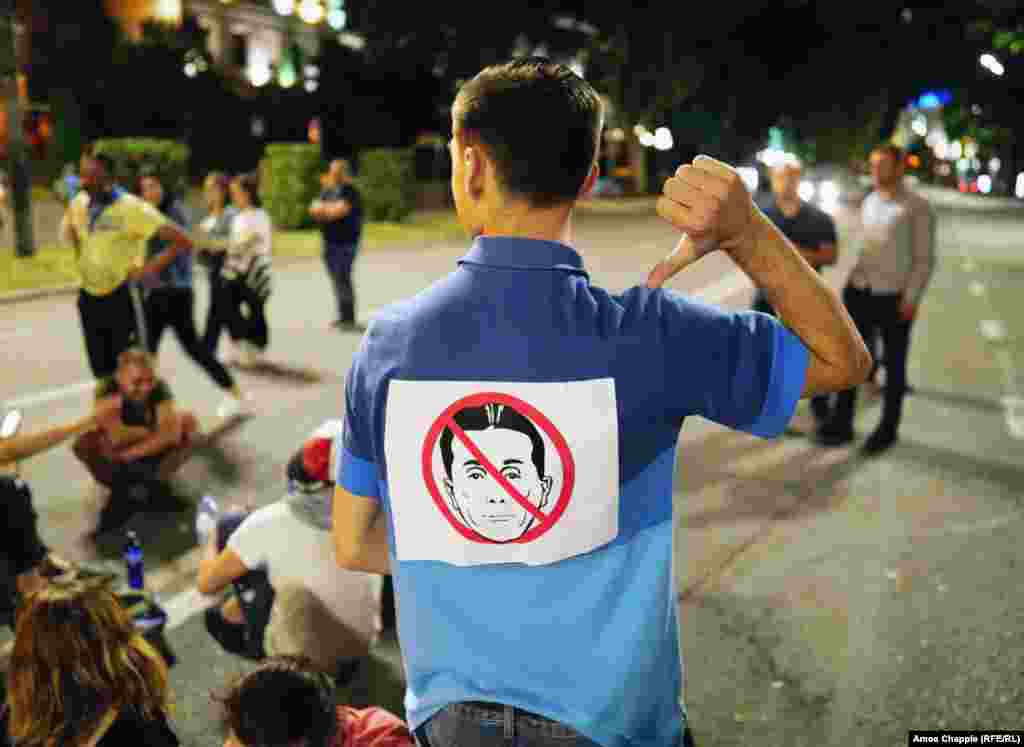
(514, 446)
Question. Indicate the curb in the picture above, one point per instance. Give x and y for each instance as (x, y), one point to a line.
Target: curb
(31, 294)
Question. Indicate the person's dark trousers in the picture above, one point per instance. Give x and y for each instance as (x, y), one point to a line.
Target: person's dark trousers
(387, 604)
(339, 259)
(821, 404)
(249, 320)
(255, 594)
(111, 324)
(175, 308)
(236, 308)
(877, 314)
(475, 724)
(222, 314)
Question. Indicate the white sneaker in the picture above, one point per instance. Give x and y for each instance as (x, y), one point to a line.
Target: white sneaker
(232, 407)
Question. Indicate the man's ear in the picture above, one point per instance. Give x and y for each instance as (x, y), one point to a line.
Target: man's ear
(590, 181)
(473, 161)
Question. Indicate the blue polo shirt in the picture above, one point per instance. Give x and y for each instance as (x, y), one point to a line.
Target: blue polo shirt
(583, 629)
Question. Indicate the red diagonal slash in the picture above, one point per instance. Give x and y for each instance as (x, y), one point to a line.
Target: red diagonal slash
(509, 487)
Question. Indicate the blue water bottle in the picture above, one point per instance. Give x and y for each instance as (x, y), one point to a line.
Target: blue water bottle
(133, 561)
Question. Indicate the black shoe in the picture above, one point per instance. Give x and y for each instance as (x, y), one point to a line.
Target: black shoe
(878, 442)
(833, 437)
(230, 636)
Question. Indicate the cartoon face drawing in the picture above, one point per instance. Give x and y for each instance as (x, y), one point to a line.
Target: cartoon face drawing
(514, 446)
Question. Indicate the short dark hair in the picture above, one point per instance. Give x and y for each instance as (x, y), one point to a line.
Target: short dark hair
(250, 182)
(104, 160)
(497, 416)
(283, 700)
(539, 121)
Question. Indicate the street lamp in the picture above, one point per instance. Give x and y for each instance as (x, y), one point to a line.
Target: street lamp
(990, 63)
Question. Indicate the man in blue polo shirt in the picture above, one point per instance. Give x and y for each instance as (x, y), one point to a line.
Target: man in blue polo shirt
(514, 387)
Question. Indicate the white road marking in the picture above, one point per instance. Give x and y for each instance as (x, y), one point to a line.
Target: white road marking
(51, 395)
(993, 330)
(976, 526)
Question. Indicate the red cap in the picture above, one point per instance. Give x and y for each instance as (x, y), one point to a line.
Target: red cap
(316, 459)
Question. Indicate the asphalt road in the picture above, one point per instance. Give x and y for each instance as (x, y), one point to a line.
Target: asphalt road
(824, 599)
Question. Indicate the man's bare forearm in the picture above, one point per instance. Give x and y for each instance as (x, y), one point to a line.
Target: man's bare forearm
(799, 295)
(372, 555)
(159, 263)
(154, 444)
(30, 444)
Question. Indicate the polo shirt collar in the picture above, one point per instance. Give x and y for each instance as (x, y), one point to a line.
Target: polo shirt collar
(513, 253)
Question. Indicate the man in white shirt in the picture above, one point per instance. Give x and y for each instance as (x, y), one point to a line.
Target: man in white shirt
(291, 595)
(884, 291)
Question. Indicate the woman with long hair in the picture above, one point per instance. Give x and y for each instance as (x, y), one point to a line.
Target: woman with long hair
(81, 675)
(246, 273)
(212, 240)
(170, 299)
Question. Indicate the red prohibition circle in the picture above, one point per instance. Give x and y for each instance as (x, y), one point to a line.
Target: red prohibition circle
(537, 417)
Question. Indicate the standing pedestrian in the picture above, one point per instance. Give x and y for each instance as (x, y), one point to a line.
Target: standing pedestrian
(247, 274)
(215, 231)
(511, 431)
(884, 291)
(109, 229)
(339, 210)
(812, 232)
(170, 300)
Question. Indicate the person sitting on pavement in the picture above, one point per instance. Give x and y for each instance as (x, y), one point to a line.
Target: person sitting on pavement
(138, 452)
(291, 596)
(82, 674)
(288, 700)
(26, 562)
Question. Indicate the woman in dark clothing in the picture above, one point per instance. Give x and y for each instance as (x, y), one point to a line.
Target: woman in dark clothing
(170, 301)
(82, 675)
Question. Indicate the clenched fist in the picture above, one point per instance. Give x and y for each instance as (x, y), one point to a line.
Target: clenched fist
(708, 201)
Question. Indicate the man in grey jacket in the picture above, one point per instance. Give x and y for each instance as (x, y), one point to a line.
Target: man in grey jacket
(884, 290)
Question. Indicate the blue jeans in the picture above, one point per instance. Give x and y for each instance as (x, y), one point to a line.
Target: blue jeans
(482, 724)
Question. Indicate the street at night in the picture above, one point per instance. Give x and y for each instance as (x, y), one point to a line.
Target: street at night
(390, 375)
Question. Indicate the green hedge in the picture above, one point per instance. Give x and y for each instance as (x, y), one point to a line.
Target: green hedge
(167, 158)
(289, 181)
(386, 181)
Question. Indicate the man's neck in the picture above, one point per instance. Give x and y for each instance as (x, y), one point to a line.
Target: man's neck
(547, 225)
(890, 191)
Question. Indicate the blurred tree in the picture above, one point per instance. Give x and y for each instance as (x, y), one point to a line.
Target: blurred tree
(73, 64)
